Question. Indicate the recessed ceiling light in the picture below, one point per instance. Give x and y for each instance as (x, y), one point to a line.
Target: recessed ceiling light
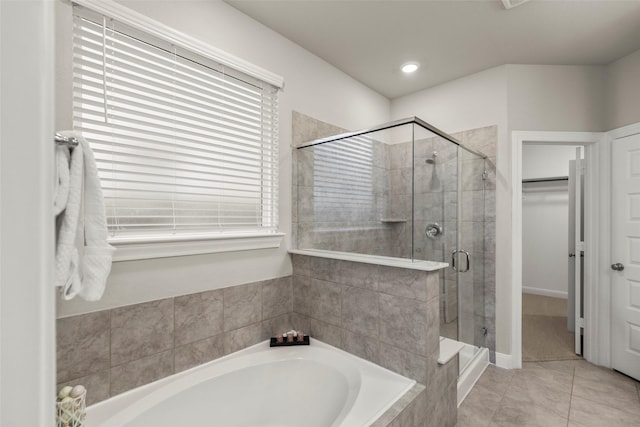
(410, 67)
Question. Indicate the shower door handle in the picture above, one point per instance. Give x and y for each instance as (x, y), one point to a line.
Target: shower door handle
(453, 260)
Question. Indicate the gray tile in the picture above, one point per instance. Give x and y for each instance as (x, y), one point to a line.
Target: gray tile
(199, 352)
(473, 205)
(305, 203)
(82, 345)
(432, 330)
(439, 377)
(242, 338)
(198, 316)
(303, 128)
(277, 325)
(360, 345)
(433, 284)
(141, 330)
(356, 274)
(490, 205)
(400, 155)
(531, 374)
(97, 386)
(403, 282)
(140, 372)
(490, 237)
(608, 390)
(302, 297)
(495, 380)
(360, 311)
(403, 323)
(443, 411)
(532, 393)
(562, 365)
(305, 168)
(242, 305)
(323, 268)
(472, 174)
(587, 413)
(482, 139)
(478, 408)
(300, 322)
(510, 414)
(327, 333)
(301, 265)
(277, 297)
(326, 301)
(403, 362)
(400, 181)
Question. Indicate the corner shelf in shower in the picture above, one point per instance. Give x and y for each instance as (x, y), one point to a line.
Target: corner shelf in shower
(393, 220)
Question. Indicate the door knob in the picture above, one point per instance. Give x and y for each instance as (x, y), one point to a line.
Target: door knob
(617, 266)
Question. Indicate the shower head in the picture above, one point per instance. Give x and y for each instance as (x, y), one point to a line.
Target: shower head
(432, 160)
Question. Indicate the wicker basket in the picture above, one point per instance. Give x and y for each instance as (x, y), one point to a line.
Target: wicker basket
(71, 413)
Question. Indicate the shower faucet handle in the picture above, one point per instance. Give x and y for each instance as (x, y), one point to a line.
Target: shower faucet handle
(433, 230)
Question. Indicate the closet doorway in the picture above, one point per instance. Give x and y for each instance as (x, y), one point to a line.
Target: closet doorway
(552, 255)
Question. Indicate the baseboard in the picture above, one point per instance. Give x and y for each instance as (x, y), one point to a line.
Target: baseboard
(545, 292)
(504, 361)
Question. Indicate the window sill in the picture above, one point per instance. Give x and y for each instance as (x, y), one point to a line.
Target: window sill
(129, 249)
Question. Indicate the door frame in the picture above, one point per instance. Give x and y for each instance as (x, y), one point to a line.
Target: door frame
(597, 202)
(27, 297)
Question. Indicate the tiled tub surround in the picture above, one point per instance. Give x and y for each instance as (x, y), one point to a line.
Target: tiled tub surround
(387, 315)
(310, 386)
(115, 350)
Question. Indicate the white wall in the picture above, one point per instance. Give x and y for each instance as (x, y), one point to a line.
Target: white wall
(545, 220)
(312, 87)
(27, 327)
(471, 102)
(544, 161)
(556, 98)
(623, 91)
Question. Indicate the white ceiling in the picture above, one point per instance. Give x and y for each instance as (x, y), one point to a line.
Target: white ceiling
(370, 39)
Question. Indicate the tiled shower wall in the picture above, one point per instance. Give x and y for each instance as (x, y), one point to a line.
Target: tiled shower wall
(435, 201)
(387, 315)
(436, 194)
(112, 351)
(321, 223)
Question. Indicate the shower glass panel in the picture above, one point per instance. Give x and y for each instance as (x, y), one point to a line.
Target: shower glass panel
(406, 190)
(469, 256)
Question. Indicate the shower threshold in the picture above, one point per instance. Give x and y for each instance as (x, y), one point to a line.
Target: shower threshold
(473, 361)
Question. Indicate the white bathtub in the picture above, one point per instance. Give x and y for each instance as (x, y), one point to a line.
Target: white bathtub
(312, 386)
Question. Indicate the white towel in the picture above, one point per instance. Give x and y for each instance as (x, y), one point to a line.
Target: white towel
(83, 256)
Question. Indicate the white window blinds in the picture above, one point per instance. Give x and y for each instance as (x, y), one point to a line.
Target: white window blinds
(183, 144)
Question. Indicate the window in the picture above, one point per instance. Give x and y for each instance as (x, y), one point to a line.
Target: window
(185, 146)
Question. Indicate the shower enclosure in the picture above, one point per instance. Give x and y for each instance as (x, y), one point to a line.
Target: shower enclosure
(407, 190)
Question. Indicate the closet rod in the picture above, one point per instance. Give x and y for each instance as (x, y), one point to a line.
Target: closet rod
(555, 178)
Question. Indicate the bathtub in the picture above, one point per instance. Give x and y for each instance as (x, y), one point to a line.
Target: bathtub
(312, 386)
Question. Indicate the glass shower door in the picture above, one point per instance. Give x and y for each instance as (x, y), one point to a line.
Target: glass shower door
(468, 257)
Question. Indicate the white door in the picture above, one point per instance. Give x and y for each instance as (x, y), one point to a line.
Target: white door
(625, 252)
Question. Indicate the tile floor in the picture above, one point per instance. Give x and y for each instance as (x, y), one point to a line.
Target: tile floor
(571, 393)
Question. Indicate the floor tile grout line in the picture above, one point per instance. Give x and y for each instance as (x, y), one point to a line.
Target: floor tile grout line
(573, 381)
